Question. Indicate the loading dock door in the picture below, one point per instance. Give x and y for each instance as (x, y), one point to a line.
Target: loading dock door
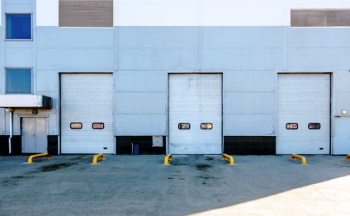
(303, 114)
(87, 113)
(195, 114)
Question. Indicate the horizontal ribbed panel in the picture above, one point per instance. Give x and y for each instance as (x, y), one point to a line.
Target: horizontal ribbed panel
(87, 98)
(195, 99)
(86, 13)
(303, 99)
(320, 18)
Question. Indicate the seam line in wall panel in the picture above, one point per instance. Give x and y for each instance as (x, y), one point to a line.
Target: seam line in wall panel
(34, 39)
(2, 63)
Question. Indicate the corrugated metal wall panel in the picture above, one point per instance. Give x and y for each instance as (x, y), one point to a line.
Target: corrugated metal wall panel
(303, 99)
(195, 99)
(86, 13)
(87, 98)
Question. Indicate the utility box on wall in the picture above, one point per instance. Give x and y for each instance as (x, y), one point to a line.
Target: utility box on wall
(157, 141)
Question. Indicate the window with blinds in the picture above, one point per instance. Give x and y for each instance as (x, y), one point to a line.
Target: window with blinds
(86, 13)
(320, 17)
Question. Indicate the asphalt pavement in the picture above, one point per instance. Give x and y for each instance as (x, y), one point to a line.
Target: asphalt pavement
(190, 185)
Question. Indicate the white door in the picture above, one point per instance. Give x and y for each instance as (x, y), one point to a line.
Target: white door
(303, 114)
(195, 114)
(34, 135)
(87, 113)
(341, 139)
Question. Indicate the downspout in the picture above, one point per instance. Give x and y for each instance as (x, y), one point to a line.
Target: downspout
(11, 128)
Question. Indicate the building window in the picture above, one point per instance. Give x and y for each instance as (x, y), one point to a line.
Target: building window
(320, 17)
(18, 81)
(91, 13)
(19, 26)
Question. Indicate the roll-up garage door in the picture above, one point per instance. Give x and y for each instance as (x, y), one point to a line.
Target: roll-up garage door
(303, 114)
(87, 113)
(195, 114)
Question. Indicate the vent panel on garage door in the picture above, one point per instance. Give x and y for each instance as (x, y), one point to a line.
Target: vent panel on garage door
(87, 100)
(195, 114)
(303, 114)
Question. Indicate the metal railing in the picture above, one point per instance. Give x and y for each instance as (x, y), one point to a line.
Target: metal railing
(30, 159)
(347, 158)
(228, 157)
(98, 157)
(295, 156)
(167, 159)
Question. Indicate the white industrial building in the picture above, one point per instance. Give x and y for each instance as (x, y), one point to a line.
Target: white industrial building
(181, 77)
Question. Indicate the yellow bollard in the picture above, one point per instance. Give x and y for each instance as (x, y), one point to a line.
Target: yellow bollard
(97, 157)
(30, 159)
(167, 159)
(294, 156)
(230, 158)
(347, 158)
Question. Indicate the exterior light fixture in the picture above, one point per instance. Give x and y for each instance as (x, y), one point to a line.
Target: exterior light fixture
(35, 111)
(344, 112)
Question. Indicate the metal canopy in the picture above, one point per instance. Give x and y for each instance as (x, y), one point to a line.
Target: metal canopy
(25, 101)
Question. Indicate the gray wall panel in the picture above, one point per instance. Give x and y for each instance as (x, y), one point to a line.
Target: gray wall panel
(42, 77)
(220, 59)
(240, 59)
(159, 48)
(83, 60)
(249, 81)
(181, 59)
(341, 57)
(242, 37)
(313, 59)
(340, 37)
(142, 59)
(181, 37)
(310, 37)
(158, 37)
(341, 101)
(341, 80)
(249, 125)
(249, 103)
(141, 103)
(158, 59)
(140, 96)
(140, 81)
(53, 37)
(143, 125)
(19, 57)
(129, 37)
(18, 6)
(13, 44)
